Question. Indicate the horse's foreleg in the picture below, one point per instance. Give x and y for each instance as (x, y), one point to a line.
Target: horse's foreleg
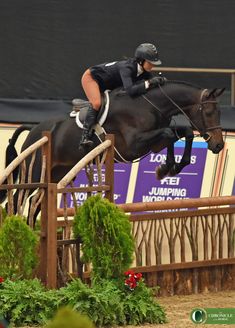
(157, 140)
(164, 169)
(188, 134)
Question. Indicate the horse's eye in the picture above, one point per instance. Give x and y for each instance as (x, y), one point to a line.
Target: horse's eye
(209, 110)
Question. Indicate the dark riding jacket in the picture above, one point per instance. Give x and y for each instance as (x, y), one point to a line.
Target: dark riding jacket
(124, 73)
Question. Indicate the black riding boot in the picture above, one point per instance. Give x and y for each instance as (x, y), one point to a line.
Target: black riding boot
(90, 120)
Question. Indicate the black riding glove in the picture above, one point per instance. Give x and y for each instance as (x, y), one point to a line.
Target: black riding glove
(156, 80)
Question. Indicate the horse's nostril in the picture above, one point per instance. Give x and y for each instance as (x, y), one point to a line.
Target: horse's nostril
(219, 147)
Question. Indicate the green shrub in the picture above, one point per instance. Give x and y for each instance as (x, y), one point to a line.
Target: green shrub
(26, 302)
(107, 303)
(103, 303)
(18, 248)
(106, 236)
(140, 306)
(66, 317)
(110, 303)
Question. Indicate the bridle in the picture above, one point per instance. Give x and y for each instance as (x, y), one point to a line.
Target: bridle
(203, 132)
(206, 136)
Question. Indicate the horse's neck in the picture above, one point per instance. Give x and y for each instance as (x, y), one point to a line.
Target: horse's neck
(173, 98)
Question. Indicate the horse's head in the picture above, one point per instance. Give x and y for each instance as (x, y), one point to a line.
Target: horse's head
(206, 119)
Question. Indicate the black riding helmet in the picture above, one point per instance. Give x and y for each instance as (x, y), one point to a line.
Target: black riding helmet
(147, 51)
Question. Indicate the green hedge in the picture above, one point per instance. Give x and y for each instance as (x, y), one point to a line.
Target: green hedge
(107, 303)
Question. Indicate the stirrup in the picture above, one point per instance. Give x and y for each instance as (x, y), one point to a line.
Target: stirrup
(86, 142)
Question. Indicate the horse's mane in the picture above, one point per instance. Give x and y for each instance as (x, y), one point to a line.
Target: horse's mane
(120, 91)
(189, 84)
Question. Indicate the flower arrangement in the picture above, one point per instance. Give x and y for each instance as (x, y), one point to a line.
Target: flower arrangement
(132, 279)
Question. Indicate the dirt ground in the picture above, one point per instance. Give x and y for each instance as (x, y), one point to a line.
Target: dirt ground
(178, 308)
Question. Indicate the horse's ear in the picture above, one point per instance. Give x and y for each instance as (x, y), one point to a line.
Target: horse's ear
(219, 92)
(211, 93)
(215, 92)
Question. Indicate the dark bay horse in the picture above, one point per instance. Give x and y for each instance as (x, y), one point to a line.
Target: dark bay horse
(140, 125)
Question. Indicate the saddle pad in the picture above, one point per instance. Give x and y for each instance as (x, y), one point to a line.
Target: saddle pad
(81, 115)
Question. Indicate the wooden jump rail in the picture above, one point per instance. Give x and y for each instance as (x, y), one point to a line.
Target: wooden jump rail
(83, 162)
(21, 157)
(178, 203)
(170, 204)
(7, 175)
(204, 70)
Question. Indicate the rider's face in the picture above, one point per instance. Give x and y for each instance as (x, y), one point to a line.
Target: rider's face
(147, 66)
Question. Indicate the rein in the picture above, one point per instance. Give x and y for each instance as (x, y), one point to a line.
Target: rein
(119, 154)
(204, 133)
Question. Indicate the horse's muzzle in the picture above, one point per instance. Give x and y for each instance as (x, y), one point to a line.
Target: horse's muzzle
(217, 148)
(214, 140)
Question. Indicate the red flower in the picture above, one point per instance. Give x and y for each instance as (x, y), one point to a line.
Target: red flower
(131, 283)
(1, 280)
(138, 276)
(133, 279)
(129, 272)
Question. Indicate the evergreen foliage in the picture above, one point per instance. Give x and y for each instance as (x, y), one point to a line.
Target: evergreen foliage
(106, 236)
(18, 245)
(3, 215)
(66, 317)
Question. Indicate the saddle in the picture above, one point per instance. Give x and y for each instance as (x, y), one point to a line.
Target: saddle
(80, 108)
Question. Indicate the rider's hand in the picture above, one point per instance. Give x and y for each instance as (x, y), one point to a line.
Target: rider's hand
(156, 80)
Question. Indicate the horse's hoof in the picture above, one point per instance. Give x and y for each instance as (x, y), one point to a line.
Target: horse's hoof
(160, 174)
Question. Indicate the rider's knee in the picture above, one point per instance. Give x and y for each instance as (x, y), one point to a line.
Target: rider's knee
(96, 104)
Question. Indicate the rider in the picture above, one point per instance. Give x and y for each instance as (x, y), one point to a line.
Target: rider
(134, 74)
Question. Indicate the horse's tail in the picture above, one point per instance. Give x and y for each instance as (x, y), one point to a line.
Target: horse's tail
(11, 154)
